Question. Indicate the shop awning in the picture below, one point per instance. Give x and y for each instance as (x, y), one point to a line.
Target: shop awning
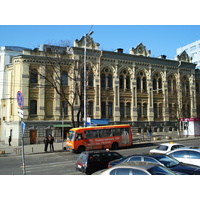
(60, 125)
(100, 121)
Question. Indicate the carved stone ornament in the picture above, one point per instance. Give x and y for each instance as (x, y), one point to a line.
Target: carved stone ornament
(90, 43)
(140, 50)
(184, 57)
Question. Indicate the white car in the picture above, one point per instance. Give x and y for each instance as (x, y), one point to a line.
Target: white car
(189, 155)
(166, 147)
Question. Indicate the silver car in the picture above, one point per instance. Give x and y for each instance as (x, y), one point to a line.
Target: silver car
(136, 168)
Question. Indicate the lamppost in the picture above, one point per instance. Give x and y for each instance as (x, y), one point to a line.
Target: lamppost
(85, 79)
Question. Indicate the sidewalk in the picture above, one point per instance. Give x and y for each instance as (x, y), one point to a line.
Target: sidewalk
(28, 149)
(158, 137)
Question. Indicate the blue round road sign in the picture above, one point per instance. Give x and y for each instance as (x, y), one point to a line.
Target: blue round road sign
(20, 99)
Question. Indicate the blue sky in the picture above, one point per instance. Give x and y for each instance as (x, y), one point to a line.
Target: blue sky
(160, 39)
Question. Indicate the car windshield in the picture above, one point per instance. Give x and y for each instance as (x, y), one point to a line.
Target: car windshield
(70, 136)
(162, 147)
(158, 170)
(167, 161)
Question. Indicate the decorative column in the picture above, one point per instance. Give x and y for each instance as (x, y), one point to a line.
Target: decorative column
(193, 108)
(165, 94)
(150, 111)
(116, 106)
(134, 113)
(97, 99)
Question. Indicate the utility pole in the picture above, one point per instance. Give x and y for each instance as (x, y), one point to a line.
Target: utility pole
(85, 79)
(20, 101)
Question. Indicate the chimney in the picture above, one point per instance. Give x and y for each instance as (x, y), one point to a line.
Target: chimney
(119, 50)
(163, 56)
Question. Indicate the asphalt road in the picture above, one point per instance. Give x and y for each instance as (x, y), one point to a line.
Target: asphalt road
(62, 163)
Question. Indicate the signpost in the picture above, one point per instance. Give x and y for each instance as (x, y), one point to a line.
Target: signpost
(20, 101)
(20, 113)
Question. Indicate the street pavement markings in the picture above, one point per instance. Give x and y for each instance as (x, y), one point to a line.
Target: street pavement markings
(45, 166)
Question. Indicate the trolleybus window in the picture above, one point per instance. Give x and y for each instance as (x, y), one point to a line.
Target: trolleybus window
(71, 136)
(105, 133)
(91, 134)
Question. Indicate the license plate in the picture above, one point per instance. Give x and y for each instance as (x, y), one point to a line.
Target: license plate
(79, 166)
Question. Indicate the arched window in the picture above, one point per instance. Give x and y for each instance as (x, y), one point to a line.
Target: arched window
(157, 83)
(33, 107)
(124, 79)
(139, 110)
(90, 79)
(90, 108)
(185, 85)
(128, 110)
(145, 110)
(121, 82)
(122, 109)
(64, 108)
(34, 76)
(103, 80)
(127, 82)
(103, 109)
(106, 78)
(197, 88)
(64, 78)
(138, 83)
(154, 84)
(110, 80)
(141, 82)
(110, 109)
(160, 110)
(171, 84)
(144, 80)
(155, 110)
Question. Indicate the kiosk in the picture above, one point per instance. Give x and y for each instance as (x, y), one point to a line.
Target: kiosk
(190, 126)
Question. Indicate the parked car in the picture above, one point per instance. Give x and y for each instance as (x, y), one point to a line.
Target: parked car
(190, 155)
(166, 147)
(163, 160)
(89, 162)
(136, 168)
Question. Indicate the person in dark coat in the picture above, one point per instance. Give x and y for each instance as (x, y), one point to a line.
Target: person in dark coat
(9, 140)
(46, 142)
(149, 131)
(51, 140)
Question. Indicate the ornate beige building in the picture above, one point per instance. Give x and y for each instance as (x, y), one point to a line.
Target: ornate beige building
(130, 88)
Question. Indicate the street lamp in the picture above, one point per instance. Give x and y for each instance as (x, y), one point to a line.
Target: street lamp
(85, 80)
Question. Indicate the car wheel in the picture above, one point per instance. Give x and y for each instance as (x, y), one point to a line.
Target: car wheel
(114, 146)
(81, 149)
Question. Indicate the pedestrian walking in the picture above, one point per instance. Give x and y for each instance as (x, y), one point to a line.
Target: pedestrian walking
(46, 142)
(149, 131)
(9, 140)
(51, 140)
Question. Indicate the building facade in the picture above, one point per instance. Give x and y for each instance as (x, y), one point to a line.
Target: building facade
(6, 55)
(193, 50)
(132, 88)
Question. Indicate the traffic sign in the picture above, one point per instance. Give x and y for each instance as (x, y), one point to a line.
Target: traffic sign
(20, 113)
(20, 99)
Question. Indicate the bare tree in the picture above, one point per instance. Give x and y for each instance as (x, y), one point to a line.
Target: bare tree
(58, 71)
(180, 108)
